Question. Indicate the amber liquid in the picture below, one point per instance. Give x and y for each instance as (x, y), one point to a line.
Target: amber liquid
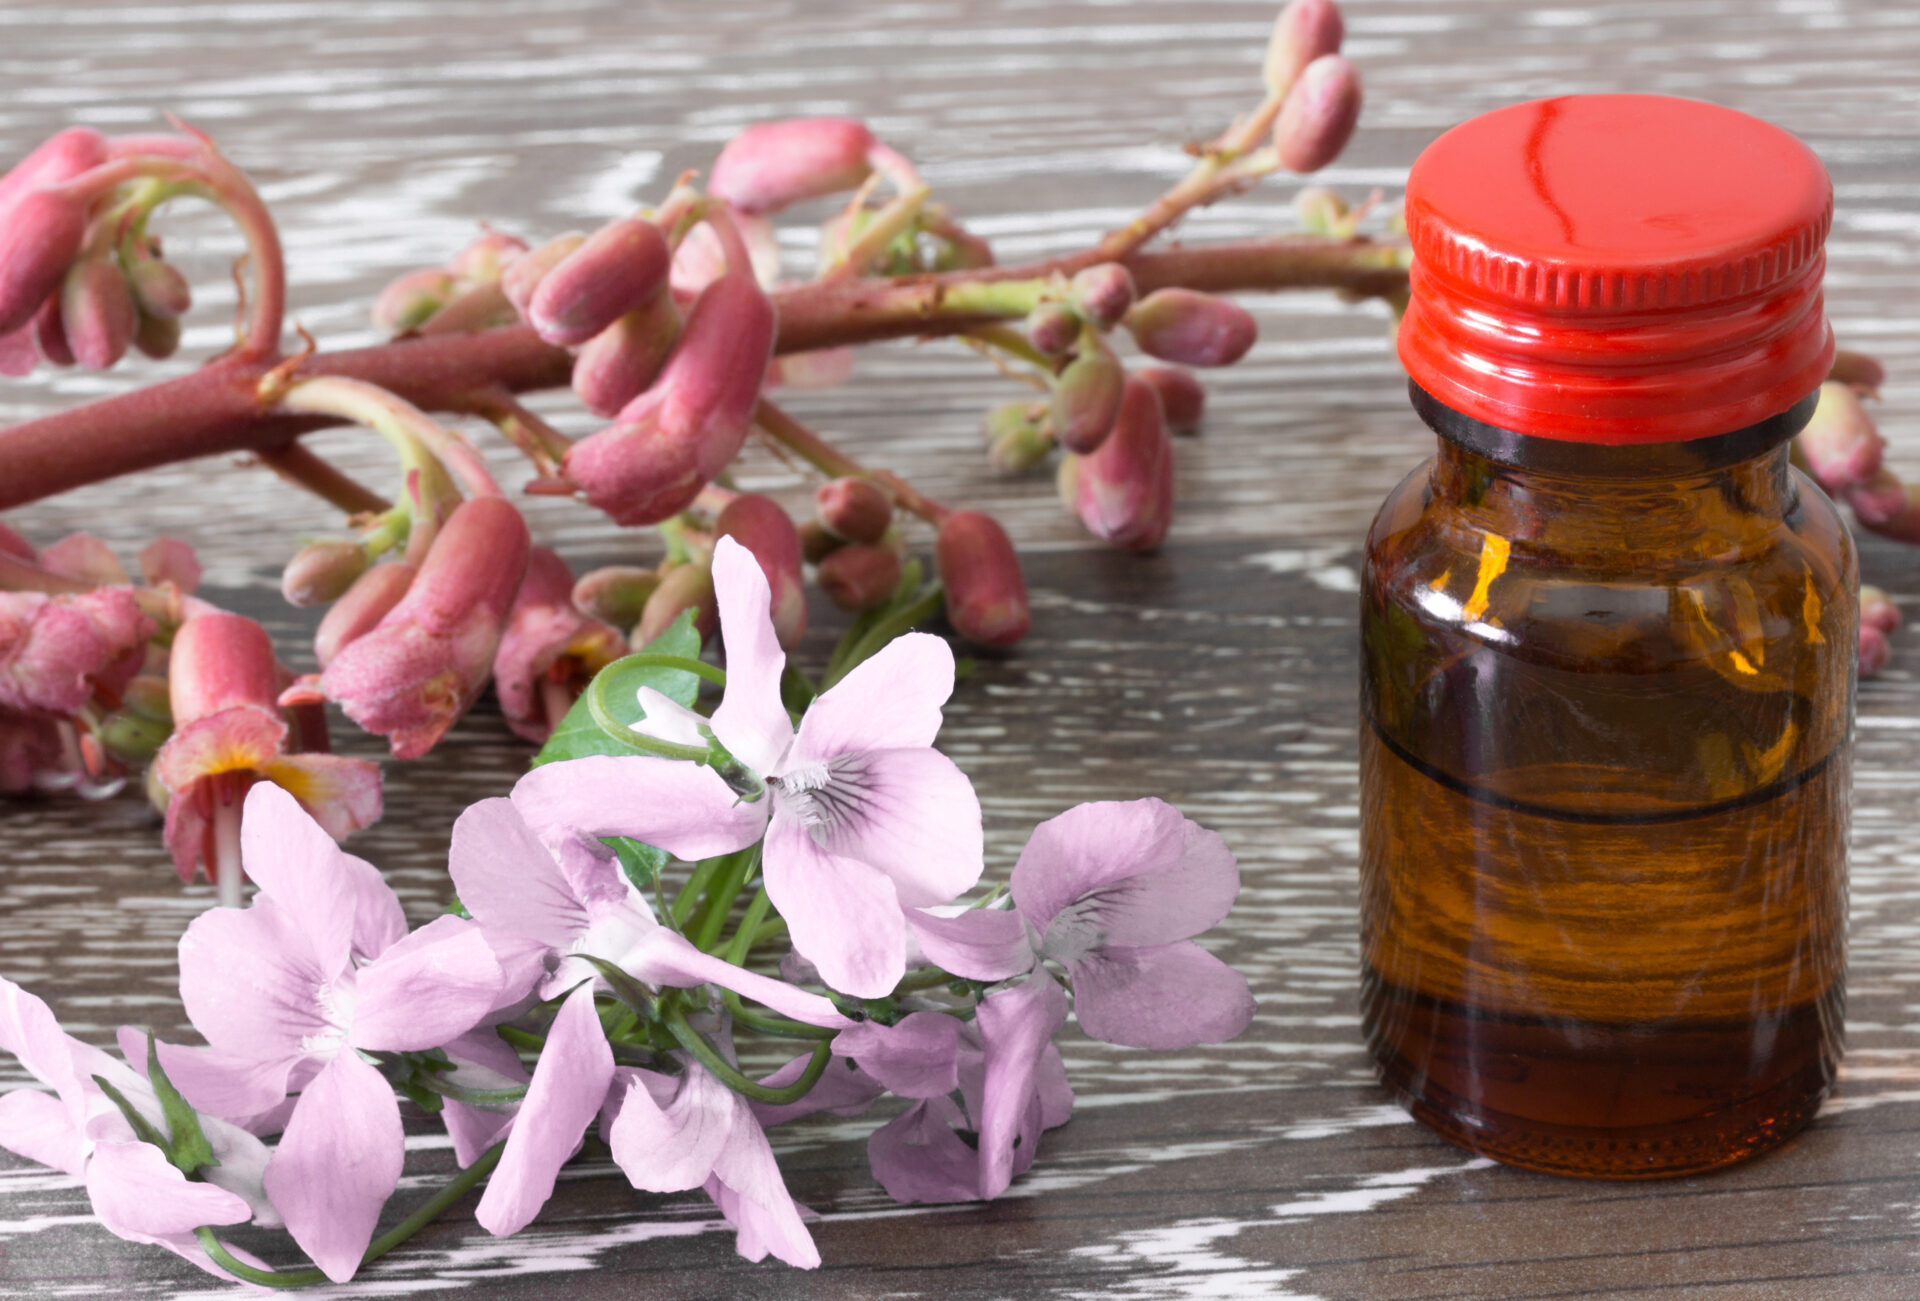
(1603, 848)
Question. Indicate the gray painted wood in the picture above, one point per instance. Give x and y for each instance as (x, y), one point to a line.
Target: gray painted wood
(1218, 675)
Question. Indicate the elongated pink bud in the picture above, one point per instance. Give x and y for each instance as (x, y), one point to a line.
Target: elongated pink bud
(549, 650)
(1192, 328)
(409, 301)
(761, 526)
(767, 167)
(619, 363)
(860, 577)
(1103, 293)
(1182, 397)
(97, 311)
(60, 157)
(360, 611)
(322, 571)
(159, 289)
(429, 659)
(618, 269)
(674, 438)
(986, 594)
(684, 587)
(1086, 399)
(524, 274)
(220, 660)
(1305, 30)
(854, 509)
(615, 594)
(1123, 493)
(486, 259)
(157, 337)
(1841, 447)
(54, 650)
(1319, 115)
(40, 235)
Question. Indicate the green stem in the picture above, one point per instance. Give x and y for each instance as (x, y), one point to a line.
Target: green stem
(474, 1097)
(742, 942)
(770, 1023)
(728, 1074)
(932, 978)
(689, 896)
(603, 718)
(686, 664)
(721, 897)
(380, 1246)
(902, 620)
(519, 1038)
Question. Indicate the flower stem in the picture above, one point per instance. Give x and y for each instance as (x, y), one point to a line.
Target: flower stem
(603, 718)
(473, 1097)
(725, 889)
(830, 460)
(929, 603)
(300, 465)
(690, 894)
(404, 425)
(226, 853)
(729, 1074)
(742, 943)
(537, 440)
(455, 1188)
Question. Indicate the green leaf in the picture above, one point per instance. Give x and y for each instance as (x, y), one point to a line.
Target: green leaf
(143, 1129)
(188, 1148)
(640, 861)
(625, 988)
(578, 736)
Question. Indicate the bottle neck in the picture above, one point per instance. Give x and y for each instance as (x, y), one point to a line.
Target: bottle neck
(1700, 498)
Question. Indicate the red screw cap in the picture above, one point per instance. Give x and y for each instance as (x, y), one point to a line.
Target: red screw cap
(1617, 269)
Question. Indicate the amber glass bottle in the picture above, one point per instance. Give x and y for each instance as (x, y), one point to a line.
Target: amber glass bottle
(1608, 650)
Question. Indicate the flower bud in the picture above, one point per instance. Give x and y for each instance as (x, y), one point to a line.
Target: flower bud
(1323, 212)
(1877, 610)
(684, 587)
(220, 660)
(675, 437)
(50, 334)
(617, 364)
(702, 259)
(159, 289)
(1182, 398)
(321, 572)
(1841, 447)
(157, 337)
(149, 696)
(1086, 399)
(360, 611)
(409, 301)
(986, 595)
(549, 651)
(1876, 650)
(1018, 437)
(131, 738)
(429, 658)
(1305, 30)
(524, 274)
(1103, 293)
(55, 649)
(760, 525)
(473, 308)
(1123, 493)
(615, 594)
(1052, 328)
(1192, 328)
(1319, 115)
(97, 311)
(854, 509)
(861, 576)
(1881, 502)
(60, 157)
(774, 164)
(39, 238)
(169, 560)
(30, 753)
(616, 270)
(816, 543)
(486, 259)
(1858, 371)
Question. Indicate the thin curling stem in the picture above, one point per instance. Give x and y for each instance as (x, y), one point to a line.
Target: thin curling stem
(603, 718)
(455, 1188)
(403, 424)
(830, 460)
(302, 466)
(708, 1056)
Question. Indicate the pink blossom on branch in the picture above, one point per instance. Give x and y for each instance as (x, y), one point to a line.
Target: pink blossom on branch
(549, 651)
(772, 165)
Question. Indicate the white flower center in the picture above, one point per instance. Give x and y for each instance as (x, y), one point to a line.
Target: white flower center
(1075, 931)
(827, 797)
(336, 1000)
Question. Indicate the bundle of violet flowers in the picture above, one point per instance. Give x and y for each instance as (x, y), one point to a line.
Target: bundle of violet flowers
(570, 985)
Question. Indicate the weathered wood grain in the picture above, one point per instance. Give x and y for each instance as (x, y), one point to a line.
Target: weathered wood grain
(1218, 675)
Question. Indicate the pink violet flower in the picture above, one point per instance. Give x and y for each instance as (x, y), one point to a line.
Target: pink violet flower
(670, 1134)
(557, 899)
(228, 734)
(1012, 1086)
(289, 993)
(549, 651)
(862, 816)
(81, 1132)
(1113, 892)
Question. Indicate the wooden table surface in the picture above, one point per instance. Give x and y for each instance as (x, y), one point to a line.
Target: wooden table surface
(1218, 674)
